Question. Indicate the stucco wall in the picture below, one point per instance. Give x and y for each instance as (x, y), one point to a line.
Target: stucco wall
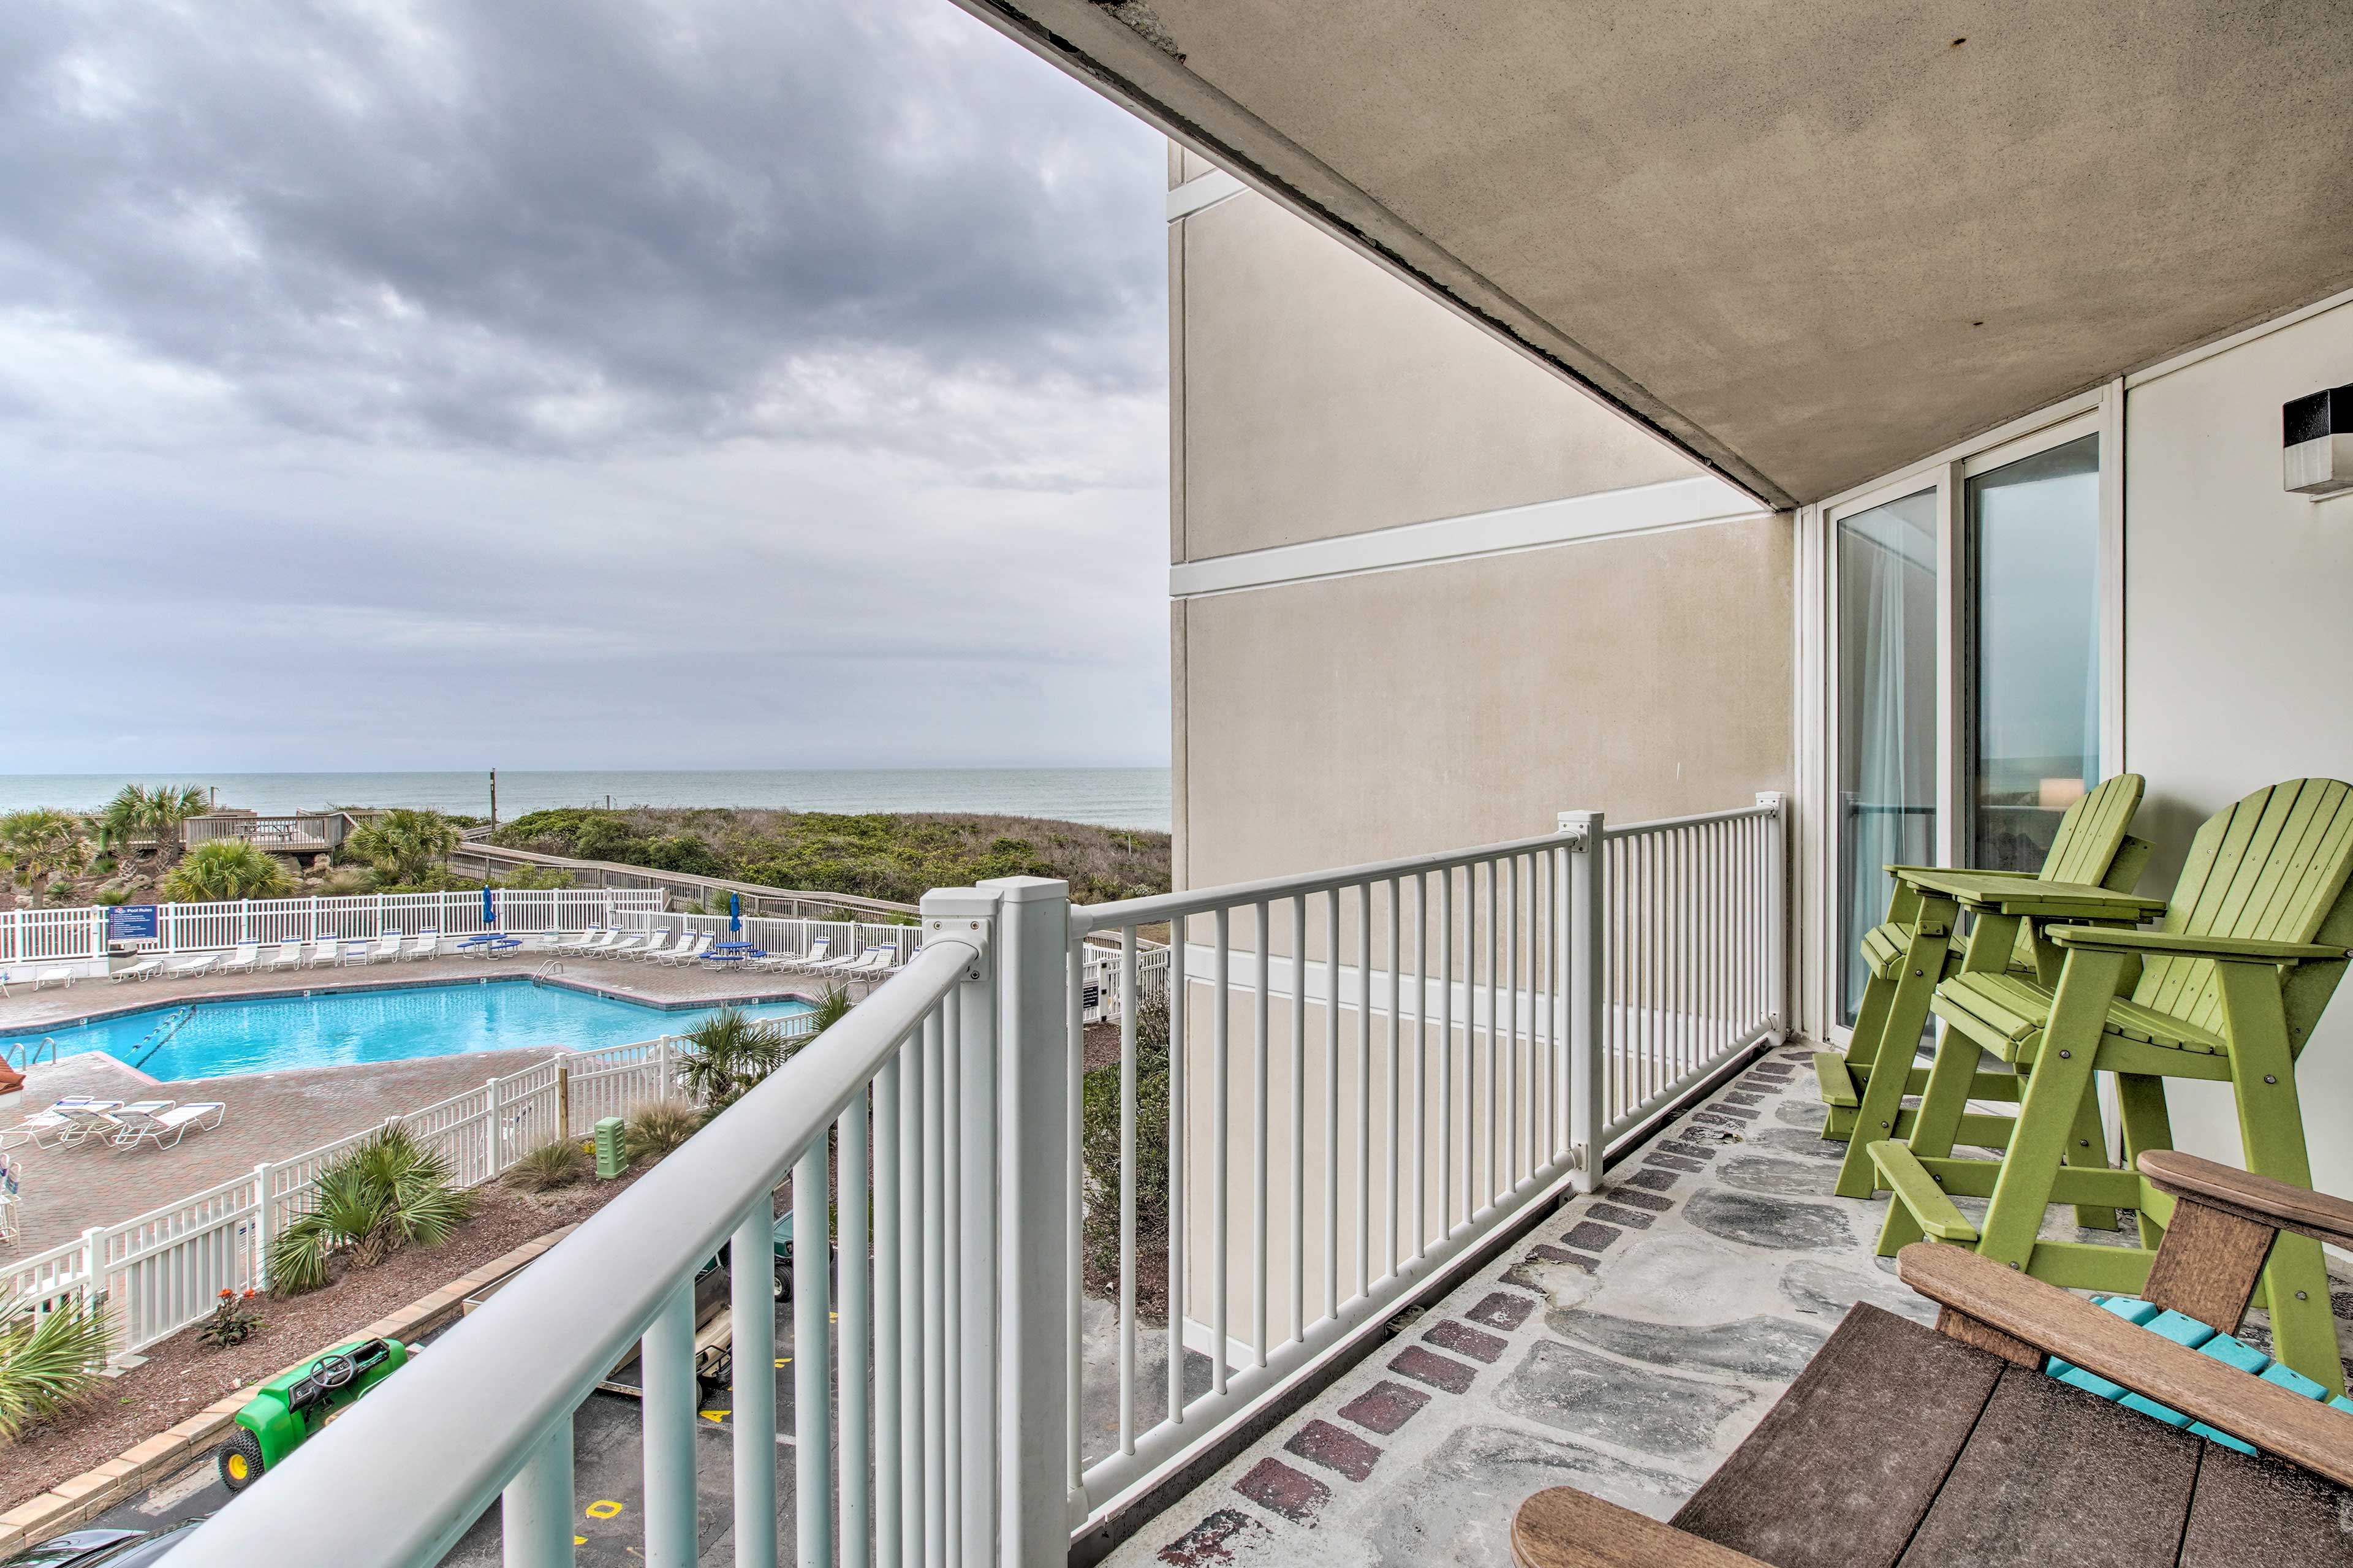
(2239, 635)
(1325, 397)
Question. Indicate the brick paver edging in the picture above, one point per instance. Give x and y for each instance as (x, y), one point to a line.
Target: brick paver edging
(84, 1497)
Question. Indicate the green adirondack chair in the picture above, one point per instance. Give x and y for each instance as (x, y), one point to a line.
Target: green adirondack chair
(2252, 946)
(1916, 948)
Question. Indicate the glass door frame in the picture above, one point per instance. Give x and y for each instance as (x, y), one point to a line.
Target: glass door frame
(1816, 915)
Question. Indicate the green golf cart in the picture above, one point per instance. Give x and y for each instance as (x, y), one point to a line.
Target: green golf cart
(288, 1410)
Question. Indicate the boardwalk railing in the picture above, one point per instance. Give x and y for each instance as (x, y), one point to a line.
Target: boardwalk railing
(160, 1271)
(79, 934)
(1374, 1071)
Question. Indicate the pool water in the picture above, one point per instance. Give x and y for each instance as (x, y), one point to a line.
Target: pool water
(334, 1028)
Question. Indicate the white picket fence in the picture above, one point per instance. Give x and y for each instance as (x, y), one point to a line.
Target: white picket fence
(162, 1271)
(79, 934)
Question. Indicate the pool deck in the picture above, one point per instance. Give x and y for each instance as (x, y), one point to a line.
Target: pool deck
(273, 1115)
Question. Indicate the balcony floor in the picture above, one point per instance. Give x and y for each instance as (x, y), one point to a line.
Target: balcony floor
(1626, 1347)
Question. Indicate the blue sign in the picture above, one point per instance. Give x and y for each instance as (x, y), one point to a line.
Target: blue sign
(130, 922)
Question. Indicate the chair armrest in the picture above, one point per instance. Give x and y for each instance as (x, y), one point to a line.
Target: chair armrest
(2302, 1431)
(2033, 897)
(2229, 949)
(1561, 1527)
(2249, 1196)
(1904, 871)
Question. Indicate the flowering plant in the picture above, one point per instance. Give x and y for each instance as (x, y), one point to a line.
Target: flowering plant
(232, 1322)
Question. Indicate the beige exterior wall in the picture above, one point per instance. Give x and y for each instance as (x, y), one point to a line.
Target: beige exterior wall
(2239, 632)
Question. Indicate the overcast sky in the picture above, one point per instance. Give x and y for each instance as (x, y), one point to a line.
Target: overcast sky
(592, 383)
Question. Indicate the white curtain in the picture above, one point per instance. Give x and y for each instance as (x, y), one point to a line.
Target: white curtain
(1887, 620)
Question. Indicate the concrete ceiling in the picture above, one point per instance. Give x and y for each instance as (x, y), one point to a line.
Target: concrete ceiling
(1807, 240)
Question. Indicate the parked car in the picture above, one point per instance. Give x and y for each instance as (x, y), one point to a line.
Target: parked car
(104, 1548)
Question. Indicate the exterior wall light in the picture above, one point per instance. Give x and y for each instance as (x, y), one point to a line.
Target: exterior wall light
(2317, 433)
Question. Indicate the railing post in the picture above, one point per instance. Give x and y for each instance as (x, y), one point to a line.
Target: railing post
(1587, 939)
(1777, 908)
(535, 1510)
(1033, 928)
(971, 914)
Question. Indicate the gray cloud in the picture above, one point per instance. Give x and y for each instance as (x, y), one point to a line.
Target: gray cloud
(565, 224)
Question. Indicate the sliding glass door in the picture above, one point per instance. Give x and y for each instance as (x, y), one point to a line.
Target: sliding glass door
(1887, 713)
(2033, 655)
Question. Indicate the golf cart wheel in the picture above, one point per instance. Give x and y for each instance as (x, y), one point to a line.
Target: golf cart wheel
(240, 1460)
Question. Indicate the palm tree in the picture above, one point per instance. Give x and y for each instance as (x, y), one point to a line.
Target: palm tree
(405, 846)
(729, 1052)
(154, 811)
(42, 843)
(49, 1361)
(371, 1201)
(224, 869)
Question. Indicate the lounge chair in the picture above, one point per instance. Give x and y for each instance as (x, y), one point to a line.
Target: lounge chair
(635, 943)
(324, 953)
(660, 945)
(189, 968)
(166, 1126)
(424, 944)
(288, 956)
(244, 961)
(2232, 987)
(42, 1127)
(816, 955)
(1978, 1441)
(54, 975)
(867, 965)
(87, 1120)
(144, 969)
(598, 942)
(679, 957)
(387, 947)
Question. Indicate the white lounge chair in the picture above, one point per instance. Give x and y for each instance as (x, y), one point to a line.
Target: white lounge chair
(145, 969)
(818, 954)
(424, 944)
(244, 961)
(54, 975)
(189, 968)
(596, 943)
(662, 943)
(623, 944)
(165, 1127)
(324, 953)
(288, 956)
(89, 1118)
(42, 1127)
(875, 962)
(680, 956)
(842, 965)
(387, 949)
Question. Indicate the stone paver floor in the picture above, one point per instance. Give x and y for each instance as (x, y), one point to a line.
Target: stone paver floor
(1627, 1348)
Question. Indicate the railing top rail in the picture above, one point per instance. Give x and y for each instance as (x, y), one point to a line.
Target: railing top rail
(1171, 906)
(489, 851)
(469, 1413)
(1661, 824)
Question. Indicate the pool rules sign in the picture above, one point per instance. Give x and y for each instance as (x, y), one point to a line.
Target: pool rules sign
(130, 922)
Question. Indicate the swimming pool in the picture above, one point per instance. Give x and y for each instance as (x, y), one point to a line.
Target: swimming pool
(334, 1029)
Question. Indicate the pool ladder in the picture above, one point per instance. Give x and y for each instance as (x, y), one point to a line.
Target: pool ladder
(22, 1054)
(553, 966)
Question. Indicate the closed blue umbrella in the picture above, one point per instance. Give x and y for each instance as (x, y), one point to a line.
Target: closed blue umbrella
(734, 914)
(490, 907)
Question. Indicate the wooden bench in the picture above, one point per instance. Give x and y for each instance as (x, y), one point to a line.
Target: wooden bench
(1902, 1445)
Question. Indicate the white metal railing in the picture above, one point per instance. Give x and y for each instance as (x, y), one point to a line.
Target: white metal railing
(1694, 971)
(946, 1356)
(1375, 1070)
(69, 935)
(160, 1271)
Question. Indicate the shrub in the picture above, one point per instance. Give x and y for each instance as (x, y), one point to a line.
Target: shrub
(557, 1163)
(659, 1128)
(228, 869)
(113, 896)
(43, 846)
(49, 1362)
(105, 865)
(383, 1194)
(232, 1322)
(1099, 1149)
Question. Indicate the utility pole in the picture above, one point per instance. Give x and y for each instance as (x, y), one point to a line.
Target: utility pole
(494, 800)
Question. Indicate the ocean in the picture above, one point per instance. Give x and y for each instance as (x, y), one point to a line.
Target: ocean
(1112, 797)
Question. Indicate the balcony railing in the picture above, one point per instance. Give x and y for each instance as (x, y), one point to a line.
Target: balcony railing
(1378, 1069)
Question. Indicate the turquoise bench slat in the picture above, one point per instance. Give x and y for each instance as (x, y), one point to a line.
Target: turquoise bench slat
(2194, 1335)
